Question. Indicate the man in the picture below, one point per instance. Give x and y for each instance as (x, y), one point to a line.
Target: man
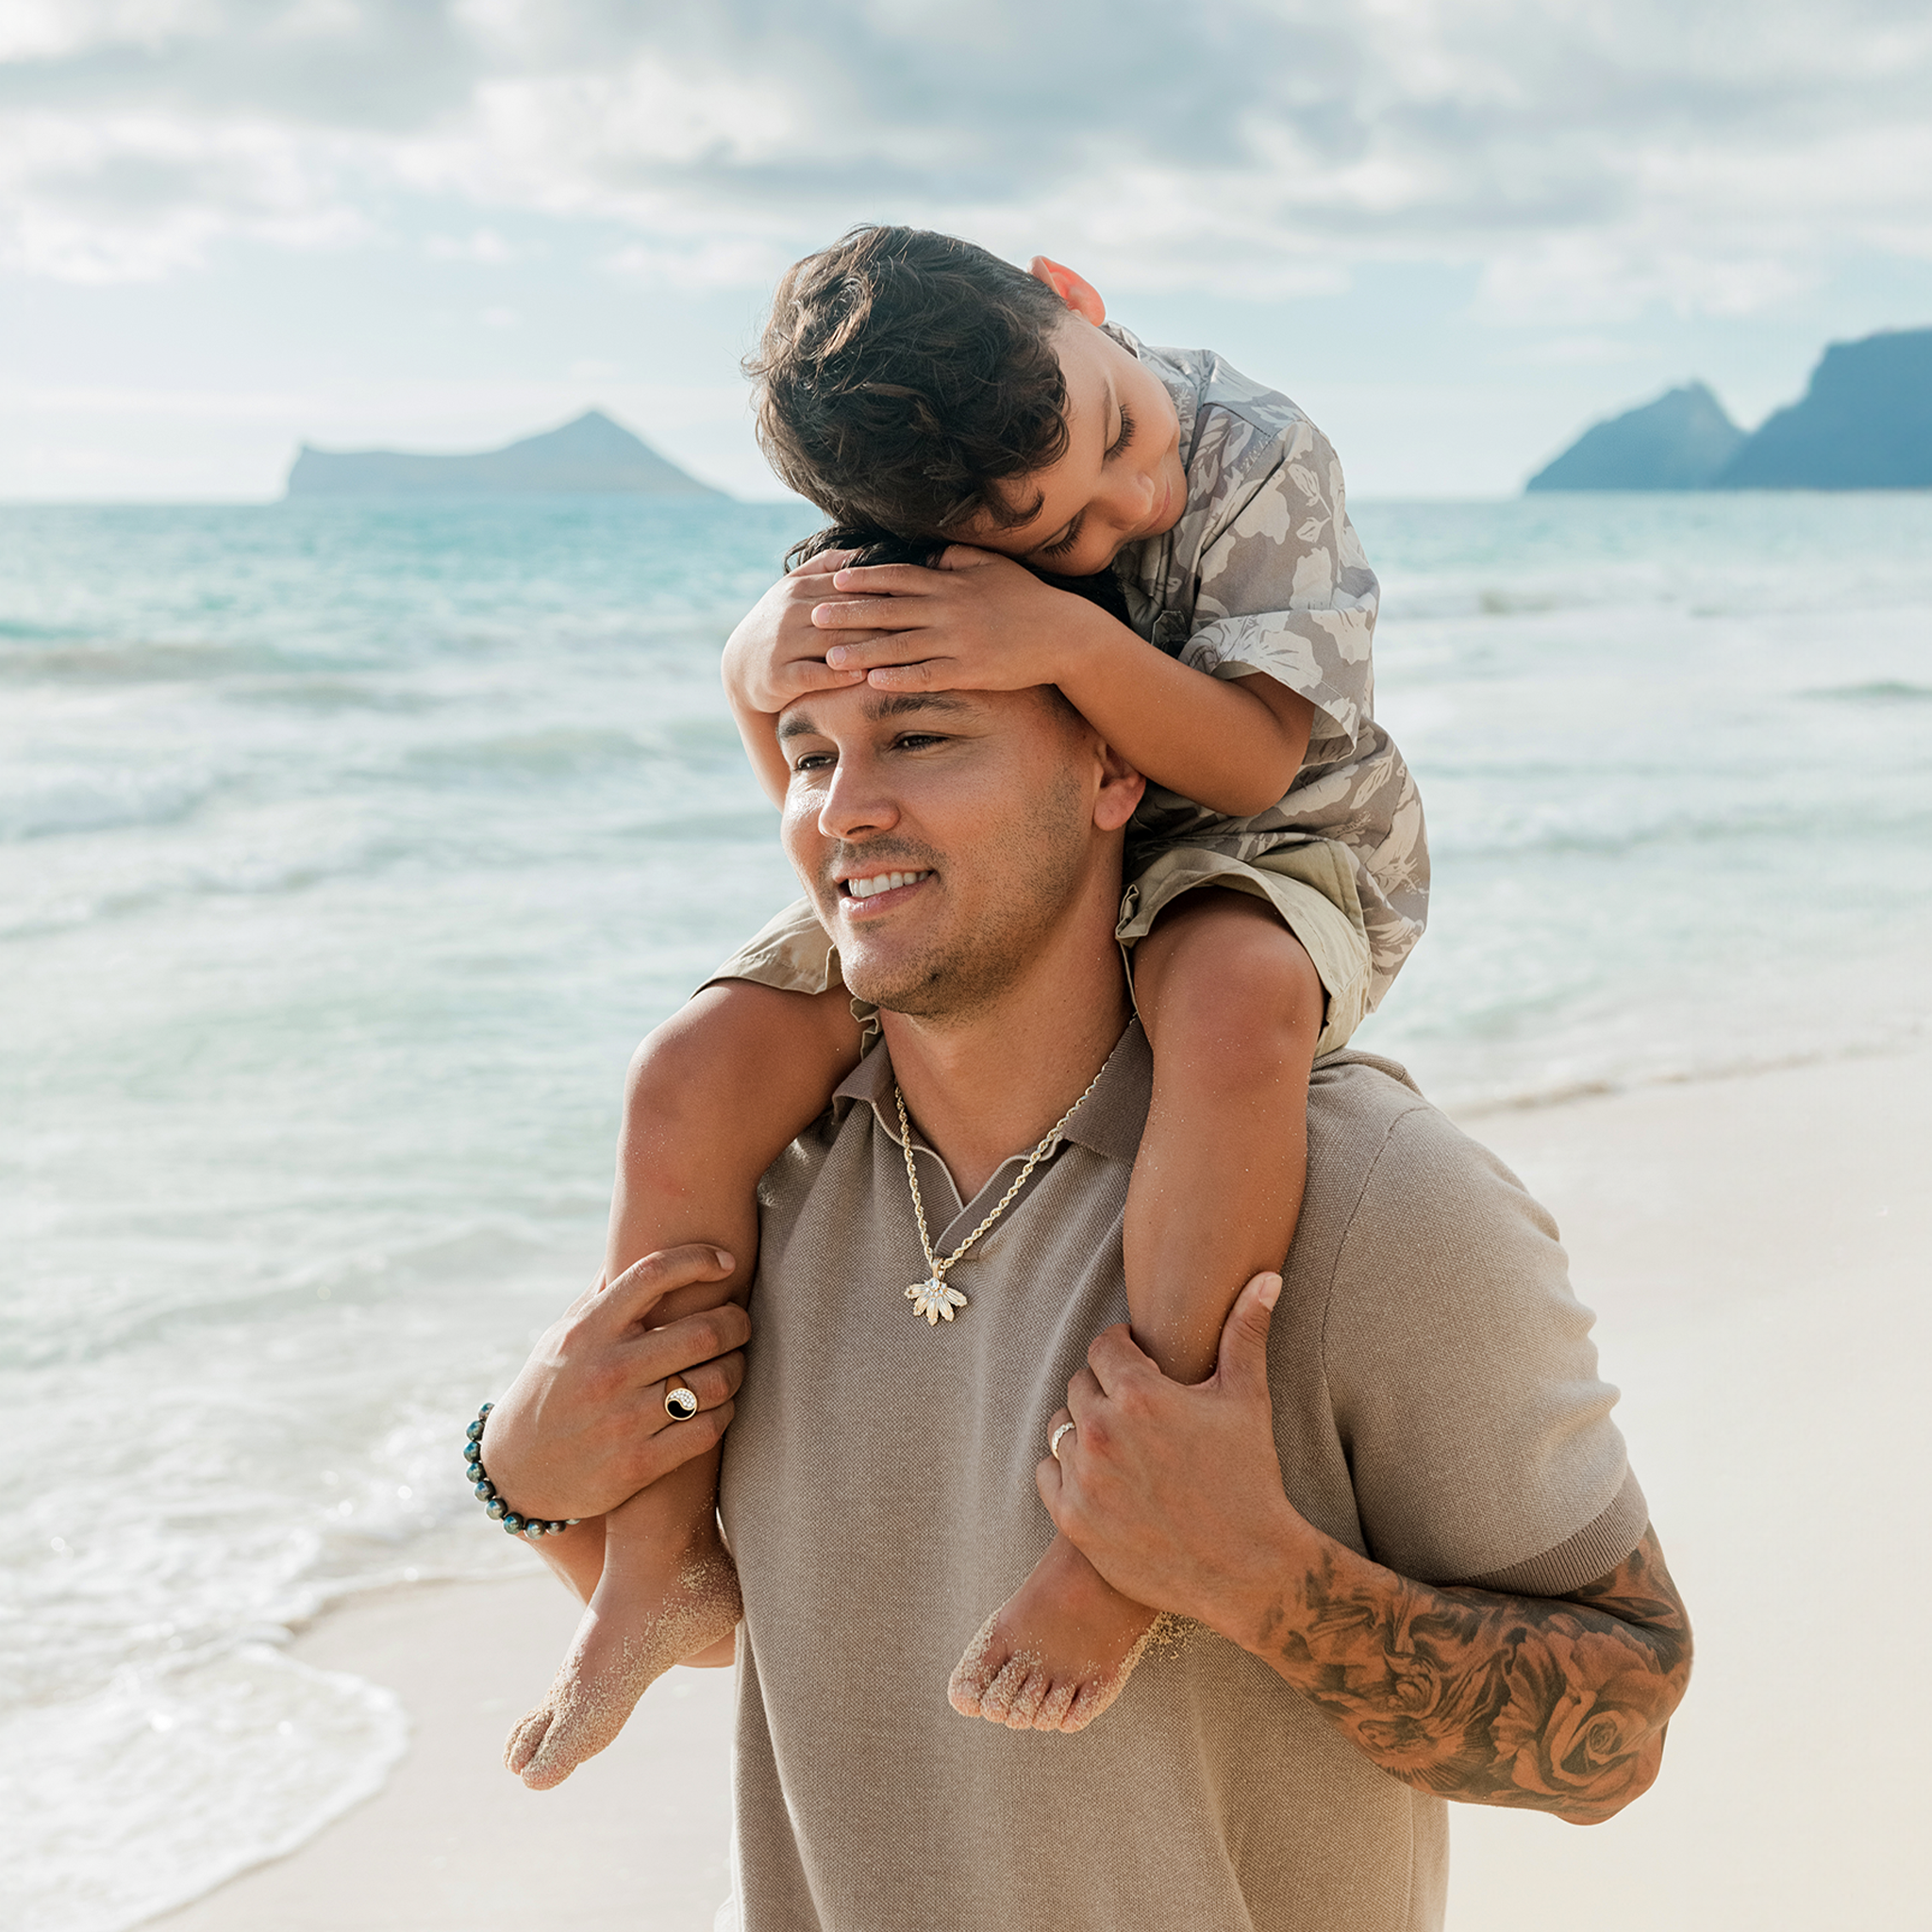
(1406, 1558)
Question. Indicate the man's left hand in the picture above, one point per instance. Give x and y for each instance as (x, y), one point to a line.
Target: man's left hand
(1174, 1493)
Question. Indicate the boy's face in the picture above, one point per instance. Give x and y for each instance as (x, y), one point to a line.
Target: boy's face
(1121, 479)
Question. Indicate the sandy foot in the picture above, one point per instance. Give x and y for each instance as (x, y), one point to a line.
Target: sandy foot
(1056, 1653)
(645, 1615)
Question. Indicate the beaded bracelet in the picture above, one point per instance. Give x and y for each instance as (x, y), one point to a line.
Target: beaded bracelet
(528, 1527)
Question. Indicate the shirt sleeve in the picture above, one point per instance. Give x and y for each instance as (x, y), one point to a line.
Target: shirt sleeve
(1284, 584)
(1464, 1381)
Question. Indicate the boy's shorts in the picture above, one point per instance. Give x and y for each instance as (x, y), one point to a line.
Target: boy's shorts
(1310, 884)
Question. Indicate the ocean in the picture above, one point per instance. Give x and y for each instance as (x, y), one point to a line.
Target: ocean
(346, 850)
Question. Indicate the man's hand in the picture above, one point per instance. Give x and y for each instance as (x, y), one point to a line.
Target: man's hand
(1173, 1493)
(980, 622)
(583, 1427)
(1539, 1704)
(776, 654)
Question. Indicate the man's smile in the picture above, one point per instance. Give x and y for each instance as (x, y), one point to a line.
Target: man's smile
(870, 887)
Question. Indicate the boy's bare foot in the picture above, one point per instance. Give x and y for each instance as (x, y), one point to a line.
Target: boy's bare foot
(1056, 1653)
(650, 1609)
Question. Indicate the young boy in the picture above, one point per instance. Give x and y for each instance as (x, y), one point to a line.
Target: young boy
(915, 383)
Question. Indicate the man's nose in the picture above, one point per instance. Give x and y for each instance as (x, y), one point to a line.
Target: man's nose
(855, 803)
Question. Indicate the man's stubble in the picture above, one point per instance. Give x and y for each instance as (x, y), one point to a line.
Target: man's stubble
(957, 975)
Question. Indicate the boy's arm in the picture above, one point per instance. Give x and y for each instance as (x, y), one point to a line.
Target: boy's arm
(984, 623)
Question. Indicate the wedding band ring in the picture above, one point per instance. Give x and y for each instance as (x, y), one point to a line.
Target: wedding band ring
(680, 1399)
(1053, 1447)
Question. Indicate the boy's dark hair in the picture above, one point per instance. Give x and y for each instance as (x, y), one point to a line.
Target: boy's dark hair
(901, 374)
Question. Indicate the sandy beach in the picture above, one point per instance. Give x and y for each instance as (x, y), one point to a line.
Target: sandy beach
(1754, 1248)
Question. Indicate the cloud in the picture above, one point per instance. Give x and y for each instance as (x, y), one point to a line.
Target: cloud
(1591, 160)
(483, 245)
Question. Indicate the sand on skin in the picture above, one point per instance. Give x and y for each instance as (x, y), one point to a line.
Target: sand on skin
(1756, 1248)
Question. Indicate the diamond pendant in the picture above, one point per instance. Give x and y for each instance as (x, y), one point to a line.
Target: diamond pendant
(934, 1300)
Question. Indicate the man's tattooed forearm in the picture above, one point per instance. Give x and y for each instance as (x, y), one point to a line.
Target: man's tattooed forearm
(1550, 1703)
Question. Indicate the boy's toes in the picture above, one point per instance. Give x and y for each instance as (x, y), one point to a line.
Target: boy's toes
(1023, 1713)
(996, 1702)
(1051, 1714)
(521, 1746)
(1091, 1697)
(552, 1760)
(584, 1723)
(974, 1675)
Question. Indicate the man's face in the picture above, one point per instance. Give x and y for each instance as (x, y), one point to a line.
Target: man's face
(1121, 479)
(943, 836)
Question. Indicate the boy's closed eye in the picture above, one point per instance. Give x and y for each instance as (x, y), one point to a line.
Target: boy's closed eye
(1123, 437)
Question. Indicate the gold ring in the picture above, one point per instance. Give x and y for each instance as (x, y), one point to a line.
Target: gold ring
(680, 1399)
(1053, 1447)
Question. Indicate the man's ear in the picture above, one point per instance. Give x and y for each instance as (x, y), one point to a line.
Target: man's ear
(1075, 290)
(1120, 786)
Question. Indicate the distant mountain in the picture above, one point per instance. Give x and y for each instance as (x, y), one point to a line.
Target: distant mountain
(1680, 441)
(592, 456)
(1864, 424)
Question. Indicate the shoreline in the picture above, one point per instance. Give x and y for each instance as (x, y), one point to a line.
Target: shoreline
(637, 1837)
(1751, 1244)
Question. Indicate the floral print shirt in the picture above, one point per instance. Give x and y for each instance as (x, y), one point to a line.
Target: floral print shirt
(1264, 572)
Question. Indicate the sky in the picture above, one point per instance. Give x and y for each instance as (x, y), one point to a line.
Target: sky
(1456, 231)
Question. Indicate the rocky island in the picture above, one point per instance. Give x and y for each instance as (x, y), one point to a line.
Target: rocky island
(1680, 441)
(1864, 422)
(592, 456)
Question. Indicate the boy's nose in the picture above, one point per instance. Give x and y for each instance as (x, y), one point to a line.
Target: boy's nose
(1130, 500)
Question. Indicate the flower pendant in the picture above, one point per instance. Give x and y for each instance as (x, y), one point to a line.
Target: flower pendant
(934, 1300)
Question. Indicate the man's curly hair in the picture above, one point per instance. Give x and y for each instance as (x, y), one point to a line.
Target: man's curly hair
(901, 374)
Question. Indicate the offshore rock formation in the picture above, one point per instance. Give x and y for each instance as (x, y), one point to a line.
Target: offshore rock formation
(589, 457)
(1864, 424)
(1680, 441)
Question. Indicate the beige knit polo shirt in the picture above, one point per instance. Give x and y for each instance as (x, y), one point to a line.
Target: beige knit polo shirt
(1437, 1406)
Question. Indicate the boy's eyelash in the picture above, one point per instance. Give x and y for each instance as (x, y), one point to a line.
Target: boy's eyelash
(1113, 450)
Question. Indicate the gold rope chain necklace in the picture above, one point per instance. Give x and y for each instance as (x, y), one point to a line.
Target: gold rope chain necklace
(931, 1297)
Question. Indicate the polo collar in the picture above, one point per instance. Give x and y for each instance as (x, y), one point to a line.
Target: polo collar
(1109, 1122)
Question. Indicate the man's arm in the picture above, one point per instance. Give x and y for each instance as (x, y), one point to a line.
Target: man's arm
(1174, 1493)
(1545, 1703)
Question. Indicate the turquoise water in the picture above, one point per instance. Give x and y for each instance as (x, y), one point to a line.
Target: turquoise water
(346, 850)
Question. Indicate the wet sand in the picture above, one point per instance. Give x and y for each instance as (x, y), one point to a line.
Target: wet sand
(633, 1841)
(1755, 1249)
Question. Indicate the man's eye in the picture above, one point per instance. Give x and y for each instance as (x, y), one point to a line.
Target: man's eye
(811, 761)
(917, 741)
(1125, 436)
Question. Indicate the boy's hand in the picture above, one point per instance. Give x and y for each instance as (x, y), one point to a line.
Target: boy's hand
(980, 622)
(776, 655)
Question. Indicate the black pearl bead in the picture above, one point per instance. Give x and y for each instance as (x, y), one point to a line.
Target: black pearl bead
(475, 1431)
(498, 1509)
(473, 1453)
(485, 1489)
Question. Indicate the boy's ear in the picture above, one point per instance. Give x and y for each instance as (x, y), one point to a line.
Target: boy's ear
(1075, 290)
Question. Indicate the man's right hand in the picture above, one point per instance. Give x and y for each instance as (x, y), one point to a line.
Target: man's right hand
(583, 1427)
